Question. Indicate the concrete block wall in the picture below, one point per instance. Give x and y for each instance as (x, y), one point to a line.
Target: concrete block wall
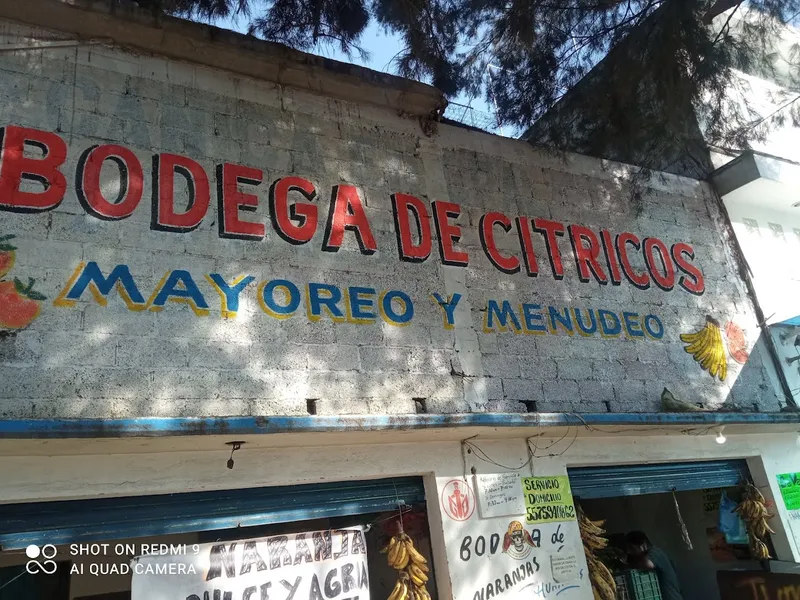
(90, 360)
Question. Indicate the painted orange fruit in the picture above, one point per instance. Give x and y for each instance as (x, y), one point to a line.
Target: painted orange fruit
(737, 344)
(19, 304)
(7, 254)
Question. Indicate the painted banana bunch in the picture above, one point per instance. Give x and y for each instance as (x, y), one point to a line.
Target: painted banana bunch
(707, 348)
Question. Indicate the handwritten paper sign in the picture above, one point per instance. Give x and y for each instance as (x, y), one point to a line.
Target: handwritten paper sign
(790, 490)
(313, 566)
(499, 495)
(547, 499)
(564, 567)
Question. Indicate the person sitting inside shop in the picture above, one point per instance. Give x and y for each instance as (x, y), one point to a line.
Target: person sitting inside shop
(644, 556)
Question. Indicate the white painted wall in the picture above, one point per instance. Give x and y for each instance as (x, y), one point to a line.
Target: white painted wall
(760, 94)
(759, 100)
(87, 360)
(770, 240)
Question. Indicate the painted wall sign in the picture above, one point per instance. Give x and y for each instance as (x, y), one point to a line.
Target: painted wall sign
(319, 565)
(503, 558)
(517, 542)
(316, 301)
(548, 499)
(790, 490)
(757, 585)
(601, 256)
(499, 494)
(458, 500)
(20, 304)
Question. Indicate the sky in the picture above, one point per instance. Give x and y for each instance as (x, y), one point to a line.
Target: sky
(382, 47)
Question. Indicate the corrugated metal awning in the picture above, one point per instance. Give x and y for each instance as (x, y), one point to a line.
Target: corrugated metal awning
(139, 516)
(635, 480)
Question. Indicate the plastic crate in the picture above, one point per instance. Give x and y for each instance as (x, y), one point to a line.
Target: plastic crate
(642, 585)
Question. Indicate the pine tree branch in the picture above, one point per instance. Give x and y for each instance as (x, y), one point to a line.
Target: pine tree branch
(719, 7)
(726, 25)
(763, 120)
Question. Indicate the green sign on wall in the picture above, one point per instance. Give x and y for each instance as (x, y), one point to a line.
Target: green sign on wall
(790, 490)
(547, 499)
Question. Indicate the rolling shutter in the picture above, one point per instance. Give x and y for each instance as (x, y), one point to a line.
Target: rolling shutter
(635, 480)
(138, 516)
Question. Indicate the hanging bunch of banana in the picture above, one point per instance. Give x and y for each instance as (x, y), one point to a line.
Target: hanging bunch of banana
(753, 511)
(412, 566)
(603, 585)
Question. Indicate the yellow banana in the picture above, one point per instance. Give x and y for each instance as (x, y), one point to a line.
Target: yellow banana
(388, 547)
(416, 557)
(417, 574)
(396, 590)
(393, 551)
(404, 594)
(707, 349)
(762, 552)
(401, 562)
(691, 337)
(697, 346)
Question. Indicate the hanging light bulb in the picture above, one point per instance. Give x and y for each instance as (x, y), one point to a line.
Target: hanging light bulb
(721, 439)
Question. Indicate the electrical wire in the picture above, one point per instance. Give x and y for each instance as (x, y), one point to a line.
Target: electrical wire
(482, 455)
(690, 431)
(13, 579)
(468, 446)
(551, 454)
(532, 453)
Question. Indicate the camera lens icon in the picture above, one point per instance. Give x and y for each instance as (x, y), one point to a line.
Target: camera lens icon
(46, 552)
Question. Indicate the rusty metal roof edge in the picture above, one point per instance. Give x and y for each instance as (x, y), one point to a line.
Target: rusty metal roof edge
(184, 426)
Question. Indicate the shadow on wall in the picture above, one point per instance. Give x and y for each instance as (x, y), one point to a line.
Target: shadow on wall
(757, 387)
(105, 355)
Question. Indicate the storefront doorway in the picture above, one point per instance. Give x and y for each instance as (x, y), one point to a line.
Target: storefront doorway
(659, 500)
(92, 546)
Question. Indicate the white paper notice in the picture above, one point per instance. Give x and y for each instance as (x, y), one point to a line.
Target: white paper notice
(317, 565)
(564, 567)
(499, 495)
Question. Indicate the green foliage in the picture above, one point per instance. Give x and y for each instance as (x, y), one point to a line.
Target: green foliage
(525, 54)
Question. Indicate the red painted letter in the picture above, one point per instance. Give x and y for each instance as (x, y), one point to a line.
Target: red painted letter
(524, 232)
(586, 256)
(402, 205)
(611, 257)
(16, 167)
(623, 239)
(697, 284)
(448, 233)
(164, 217)
(282, 214)
(665, 280)
(230, 200)
(347, 212)
(507, 264)
(131, 182)
(550, 230)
